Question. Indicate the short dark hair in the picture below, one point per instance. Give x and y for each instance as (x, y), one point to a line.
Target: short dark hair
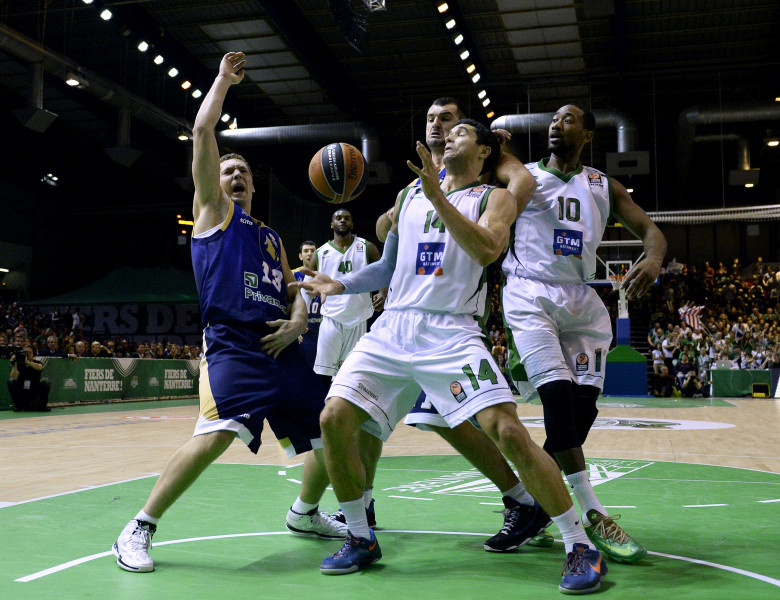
(588, 118)
(307, 243)
(485, 137)
(346, 210)
(449, 100)
(232, 155)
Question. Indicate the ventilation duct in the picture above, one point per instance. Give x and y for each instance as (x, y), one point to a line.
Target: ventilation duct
(322, 133)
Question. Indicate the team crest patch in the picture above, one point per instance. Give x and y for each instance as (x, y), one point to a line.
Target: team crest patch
(595, 179)
(582, 363)
(567, 242)
(429, 257)
(457, 391)
(270, 246)
(359, 247)
(475, 192)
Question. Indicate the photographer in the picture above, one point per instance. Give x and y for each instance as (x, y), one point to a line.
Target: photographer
(28, 391)
(692, 386)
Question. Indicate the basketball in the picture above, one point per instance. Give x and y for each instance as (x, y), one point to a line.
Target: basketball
(338, 173)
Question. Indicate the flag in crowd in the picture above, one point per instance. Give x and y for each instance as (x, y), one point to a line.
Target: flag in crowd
(691, 315)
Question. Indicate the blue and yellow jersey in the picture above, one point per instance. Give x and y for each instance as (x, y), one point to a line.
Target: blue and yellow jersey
(238, 272)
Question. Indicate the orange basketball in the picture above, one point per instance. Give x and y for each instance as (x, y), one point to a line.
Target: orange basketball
(338, 173)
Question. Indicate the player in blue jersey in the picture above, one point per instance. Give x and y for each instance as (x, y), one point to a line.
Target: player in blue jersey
(308, 258)
(252, 319)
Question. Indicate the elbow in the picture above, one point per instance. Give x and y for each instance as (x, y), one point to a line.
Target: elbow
(199, 129)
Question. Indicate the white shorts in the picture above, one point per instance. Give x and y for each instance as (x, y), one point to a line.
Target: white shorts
(559, 331)
(334, 343)
(408, 351)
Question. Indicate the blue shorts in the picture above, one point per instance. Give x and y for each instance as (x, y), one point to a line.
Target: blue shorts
(241, 386)
(308, 348)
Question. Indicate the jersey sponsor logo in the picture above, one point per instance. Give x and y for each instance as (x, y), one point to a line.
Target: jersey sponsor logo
(245, 221)
(582, 363)
(457, 391)
(429, 257)
(596, 179)
(261, 297)
(475, 192)
(567, 242)
(250, 279)
(368, 392)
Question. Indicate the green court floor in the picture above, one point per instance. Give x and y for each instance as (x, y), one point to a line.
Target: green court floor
(711, 532)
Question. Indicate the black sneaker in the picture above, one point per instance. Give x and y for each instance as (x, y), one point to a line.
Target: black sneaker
(521, 523)
(370, 515)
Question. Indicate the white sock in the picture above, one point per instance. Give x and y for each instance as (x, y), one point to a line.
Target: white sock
(520, 494)
(355, 513)
(583, 491)
(368, 493)
(571, 529)
(142, 516)
(301, 507)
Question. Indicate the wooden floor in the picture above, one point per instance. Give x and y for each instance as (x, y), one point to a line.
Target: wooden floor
(62, 452)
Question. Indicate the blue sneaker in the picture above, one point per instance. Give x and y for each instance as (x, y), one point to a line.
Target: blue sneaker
(583, 571)
(521, 524)
(355, 553)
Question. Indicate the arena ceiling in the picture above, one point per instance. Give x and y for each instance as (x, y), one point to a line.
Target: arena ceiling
(697, 79)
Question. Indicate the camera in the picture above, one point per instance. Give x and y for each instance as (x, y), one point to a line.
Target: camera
(21, 357)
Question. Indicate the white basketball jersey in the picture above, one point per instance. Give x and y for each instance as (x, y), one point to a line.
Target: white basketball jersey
(433, 273)
(347, 309)
(555, 238)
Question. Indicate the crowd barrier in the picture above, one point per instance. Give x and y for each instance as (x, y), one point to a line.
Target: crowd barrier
(738, 382)
(103, 379)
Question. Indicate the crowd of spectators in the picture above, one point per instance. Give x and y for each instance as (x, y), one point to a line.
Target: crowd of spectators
(60, 333)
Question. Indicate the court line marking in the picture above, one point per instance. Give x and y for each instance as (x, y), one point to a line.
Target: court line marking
(702, 505)
(85, 559)
(411, 498)
(84, 488)
(768, 501)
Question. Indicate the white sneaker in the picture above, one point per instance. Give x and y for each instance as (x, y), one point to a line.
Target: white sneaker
(316, 523)
(132, 547)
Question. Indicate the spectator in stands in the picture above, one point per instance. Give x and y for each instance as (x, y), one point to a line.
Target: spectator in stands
(77, 326)
(27, 389)
(670, 349)
(81, 349)
(771, 362)
(98, 350)
(5, 348)
(658, 358)
(52, 348)
(663, 384)
(692, 386)
(682, 368)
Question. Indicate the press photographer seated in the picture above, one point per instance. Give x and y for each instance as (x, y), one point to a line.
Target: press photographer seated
(28, 391)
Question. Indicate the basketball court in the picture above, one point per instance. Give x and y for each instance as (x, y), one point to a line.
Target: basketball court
(696, 481)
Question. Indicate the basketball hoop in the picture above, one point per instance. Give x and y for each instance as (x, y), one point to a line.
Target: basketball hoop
(616, 280)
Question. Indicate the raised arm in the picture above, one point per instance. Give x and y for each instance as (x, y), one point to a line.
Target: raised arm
(209, 206)
(642, 275)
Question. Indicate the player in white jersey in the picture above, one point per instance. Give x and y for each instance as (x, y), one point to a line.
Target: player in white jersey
(344, 320)
(560, 329)
(428, 339)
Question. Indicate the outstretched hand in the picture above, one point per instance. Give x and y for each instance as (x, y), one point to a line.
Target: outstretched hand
(428, 173)
(232, 67)
(318, 284)
(641, 276)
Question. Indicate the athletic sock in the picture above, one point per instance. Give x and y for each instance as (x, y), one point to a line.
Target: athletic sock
(368, 493)
(301, 507)
(355, 513)
(586, 498)
(571, 529)
(520, 494)
(142, 516)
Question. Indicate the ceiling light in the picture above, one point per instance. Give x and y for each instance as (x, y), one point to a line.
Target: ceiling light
(158, 60)
(182, 135)
(772, 142)
(76, 80)
(486, 101)
(777, 99)
(630, 190)
(87, 1)
(173, 72)
(464, 55)
(233, 124)
(143, 46)
(4, 270)
(197, 94)
(476, 77)
(482, 94)
(490, 114)
(450, 24)
(225, 118)
(185, 85)
(458, 39)
(748, 185)
(443, 7)
(471, 68)
(106, 15)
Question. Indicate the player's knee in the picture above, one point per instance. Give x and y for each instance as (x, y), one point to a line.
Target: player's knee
(560, 426)
(586, 409)
(340, 417)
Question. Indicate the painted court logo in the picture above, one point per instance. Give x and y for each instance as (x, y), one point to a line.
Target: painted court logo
(646, 424)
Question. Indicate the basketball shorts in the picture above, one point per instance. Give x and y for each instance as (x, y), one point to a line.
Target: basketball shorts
(308, 348)
(424, 416)
(241, 386)
(407, 352)
(558, 331)
(334, 343)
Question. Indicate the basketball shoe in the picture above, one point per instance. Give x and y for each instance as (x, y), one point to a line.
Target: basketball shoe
(543, 539)
(608, 537)
(583, 571)
(315, 523)
(132, 547)
(355, 553)
(521, 523)
(370, 515)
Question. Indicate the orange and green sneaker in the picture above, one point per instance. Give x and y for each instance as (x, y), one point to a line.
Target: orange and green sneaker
(611, 540)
